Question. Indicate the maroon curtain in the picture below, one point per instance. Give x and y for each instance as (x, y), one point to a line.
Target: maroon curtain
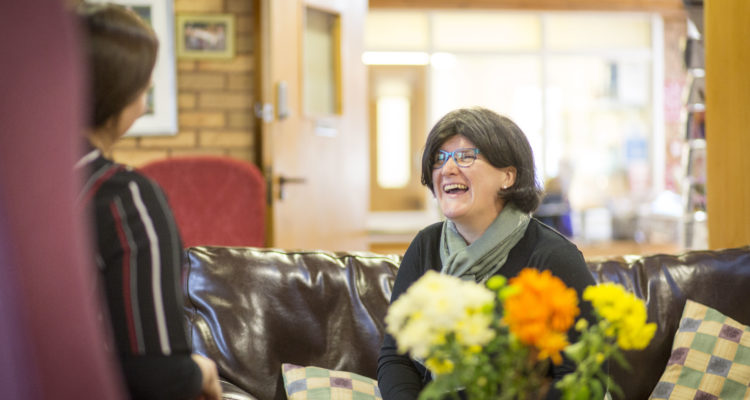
(52, 344)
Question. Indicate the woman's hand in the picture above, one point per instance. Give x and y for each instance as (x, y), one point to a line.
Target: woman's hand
(210, 388)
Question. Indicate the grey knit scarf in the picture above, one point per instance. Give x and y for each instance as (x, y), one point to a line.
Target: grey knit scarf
(483, 258)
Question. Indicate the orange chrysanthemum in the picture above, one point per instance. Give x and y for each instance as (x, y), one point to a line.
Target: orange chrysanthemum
(551, 345)
(541, 311)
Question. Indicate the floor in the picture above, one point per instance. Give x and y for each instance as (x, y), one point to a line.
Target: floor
(589, 250)
(621, 248)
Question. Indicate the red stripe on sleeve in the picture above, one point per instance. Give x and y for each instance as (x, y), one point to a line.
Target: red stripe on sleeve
(97, 184)
(125, 277)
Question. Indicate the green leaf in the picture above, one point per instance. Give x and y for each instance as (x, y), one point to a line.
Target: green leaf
(576, 351)
(617, 356)
(507, 291)
(614, 387)
(496, 282)
(583, 393)
(596, 389)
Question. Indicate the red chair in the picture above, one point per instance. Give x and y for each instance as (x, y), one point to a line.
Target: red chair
(216, 200)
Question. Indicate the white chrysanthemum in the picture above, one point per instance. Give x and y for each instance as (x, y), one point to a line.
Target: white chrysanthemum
(437, 305)
(474, 330)
(415, 338)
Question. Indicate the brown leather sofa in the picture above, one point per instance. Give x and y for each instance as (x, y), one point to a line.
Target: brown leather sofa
(251, 309)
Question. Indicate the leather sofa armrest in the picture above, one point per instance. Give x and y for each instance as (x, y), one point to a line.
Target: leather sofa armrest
(230, 391)
(253, 309)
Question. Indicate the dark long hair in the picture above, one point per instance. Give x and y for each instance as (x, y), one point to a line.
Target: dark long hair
(121, 53)
(499, 140)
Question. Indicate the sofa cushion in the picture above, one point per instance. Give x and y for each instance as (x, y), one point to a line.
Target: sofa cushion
(313, 383)
(716, 278)
(252, 309)
(710, 357)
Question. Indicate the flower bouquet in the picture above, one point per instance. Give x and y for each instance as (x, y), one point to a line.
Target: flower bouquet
(496, 341)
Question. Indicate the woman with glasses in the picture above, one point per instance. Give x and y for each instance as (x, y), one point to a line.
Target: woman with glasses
(138, 247)
(480, 168)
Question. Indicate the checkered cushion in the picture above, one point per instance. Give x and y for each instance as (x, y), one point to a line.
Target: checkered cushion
(710, 358)
(313, 383)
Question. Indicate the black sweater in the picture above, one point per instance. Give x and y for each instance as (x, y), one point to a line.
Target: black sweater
(541, 247)
(139, 251)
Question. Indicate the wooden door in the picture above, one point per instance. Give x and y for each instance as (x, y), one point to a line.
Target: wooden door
(314, 129)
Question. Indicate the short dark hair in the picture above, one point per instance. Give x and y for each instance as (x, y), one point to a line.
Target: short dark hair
(121, 53)
(499, 140)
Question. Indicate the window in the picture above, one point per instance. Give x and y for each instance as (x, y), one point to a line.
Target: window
(321, 63)
(582, 85)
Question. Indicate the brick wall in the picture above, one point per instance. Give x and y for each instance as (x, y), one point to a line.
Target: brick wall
(214, 97)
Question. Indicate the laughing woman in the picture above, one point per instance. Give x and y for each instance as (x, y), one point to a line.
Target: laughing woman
(480, 168)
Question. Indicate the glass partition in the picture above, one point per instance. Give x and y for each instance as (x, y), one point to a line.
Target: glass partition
(582, 86)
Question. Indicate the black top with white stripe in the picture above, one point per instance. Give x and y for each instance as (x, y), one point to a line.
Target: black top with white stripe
(138, 251)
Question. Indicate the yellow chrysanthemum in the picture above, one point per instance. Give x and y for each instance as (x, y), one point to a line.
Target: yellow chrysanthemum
(625, 314)
(439, 366)
(636, 337)
(473, 349)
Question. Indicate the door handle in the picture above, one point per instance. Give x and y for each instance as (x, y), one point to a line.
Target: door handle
(284, 180)
(281, 100)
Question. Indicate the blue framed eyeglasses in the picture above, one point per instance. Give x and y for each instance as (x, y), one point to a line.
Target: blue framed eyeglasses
(463, 157)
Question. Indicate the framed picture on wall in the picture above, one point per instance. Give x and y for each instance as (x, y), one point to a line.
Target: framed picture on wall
(205, 36)
(161, 113)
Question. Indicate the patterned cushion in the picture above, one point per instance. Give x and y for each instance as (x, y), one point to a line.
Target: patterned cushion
(710, 358)
(313, 383)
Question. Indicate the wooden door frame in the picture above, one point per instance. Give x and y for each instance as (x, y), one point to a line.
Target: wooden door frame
(665, 7)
